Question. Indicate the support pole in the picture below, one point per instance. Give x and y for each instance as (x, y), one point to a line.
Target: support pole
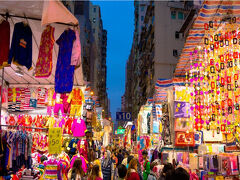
(1, 97)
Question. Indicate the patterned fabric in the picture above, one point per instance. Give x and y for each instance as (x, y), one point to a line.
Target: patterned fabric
(41, 97)
(76, 97)
(44, 62)
(51, 169)
(65, 71)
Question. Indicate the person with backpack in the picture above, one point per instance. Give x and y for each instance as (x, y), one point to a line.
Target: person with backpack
(146, 165)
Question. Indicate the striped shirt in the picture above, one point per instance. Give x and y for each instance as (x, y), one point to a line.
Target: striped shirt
(51, 169)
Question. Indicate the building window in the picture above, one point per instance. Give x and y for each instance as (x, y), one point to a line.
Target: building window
(142, 18)
(180, 15)
(175, 53)
(94, 9)
(94, 20)
(176, 35)
(79, 7)
(142, 8)
(173, 14)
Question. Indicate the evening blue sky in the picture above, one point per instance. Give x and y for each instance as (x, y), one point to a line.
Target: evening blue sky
(118, 20)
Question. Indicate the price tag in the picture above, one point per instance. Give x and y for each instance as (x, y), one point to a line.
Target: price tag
(82, 142)
(78, 121)
(55, 143)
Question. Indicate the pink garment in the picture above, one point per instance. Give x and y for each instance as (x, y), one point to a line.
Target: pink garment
(62, 123)
(84, 164)
(58, 107)
(78, 128)
(76, 51)
(49, 110)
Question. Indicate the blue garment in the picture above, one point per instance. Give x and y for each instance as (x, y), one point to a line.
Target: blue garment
(64, 70)
(21, 46)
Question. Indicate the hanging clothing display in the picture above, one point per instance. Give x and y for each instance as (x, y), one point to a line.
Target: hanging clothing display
(44, 62)
(78, 128)
(76, 51)
(76, 98)
(21, 46)
(64, 70)
(4, 42)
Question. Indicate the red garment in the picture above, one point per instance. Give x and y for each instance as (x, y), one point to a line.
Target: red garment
(4, 43)
(12, 121)
(133, 176)
(66, 105)
(44, 62)
(68, 125)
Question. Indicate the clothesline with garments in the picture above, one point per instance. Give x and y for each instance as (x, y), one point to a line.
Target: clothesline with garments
(28, 77)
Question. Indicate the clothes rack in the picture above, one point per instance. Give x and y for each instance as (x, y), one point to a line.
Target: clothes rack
(7, 15)
(25, 127)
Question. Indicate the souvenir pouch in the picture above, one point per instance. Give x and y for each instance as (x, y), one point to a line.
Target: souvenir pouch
(234, 165)
(180, 157)
(200, 162)
(206, 162)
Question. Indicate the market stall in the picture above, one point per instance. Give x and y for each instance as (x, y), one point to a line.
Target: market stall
(46, 106)
(210, 64)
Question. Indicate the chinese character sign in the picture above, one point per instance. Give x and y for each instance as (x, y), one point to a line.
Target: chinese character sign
(55, 143)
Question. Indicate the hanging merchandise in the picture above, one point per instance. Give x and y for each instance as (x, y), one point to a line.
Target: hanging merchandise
(76, 51)
(78, 128)
(21, 46)
(4, 42)
(214, 77)
(44, 62)
(64, 70)
(76, 98)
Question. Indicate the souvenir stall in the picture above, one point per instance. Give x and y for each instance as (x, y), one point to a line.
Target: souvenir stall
(43, 111)
(210, 63)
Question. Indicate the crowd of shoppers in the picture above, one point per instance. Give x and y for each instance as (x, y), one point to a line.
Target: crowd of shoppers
(119, 164)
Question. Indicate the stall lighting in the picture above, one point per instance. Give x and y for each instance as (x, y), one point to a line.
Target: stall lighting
(19, 72)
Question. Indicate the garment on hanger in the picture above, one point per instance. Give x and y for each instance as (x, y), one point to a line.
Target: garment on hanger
(76, 98)
(4, 42)
(76, 51)
(51, 169)
(21, 46)
(64, 70)
(44, 62)
(78, 128)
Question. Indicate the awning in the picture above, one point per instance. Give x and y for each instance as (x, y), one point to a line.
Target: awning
(210, 11)
(32, 10)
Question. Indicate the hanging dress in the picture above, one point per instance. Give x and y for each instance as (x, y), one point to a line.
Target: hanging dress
(4, 43)
(44, 62)
(64, 70)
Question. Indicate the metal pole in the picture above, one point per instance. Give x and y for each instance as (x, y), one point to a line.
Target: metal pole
(1, 97)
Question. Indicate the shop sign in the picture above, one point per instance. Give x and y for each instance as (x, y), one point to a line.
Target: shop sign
(120, 131)
(184, 139)
(181, 109)
(123, 116)
(55, 143)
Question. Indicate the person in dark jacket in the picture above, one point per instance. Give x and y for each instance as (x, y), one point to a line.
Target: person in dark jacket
(181, 173)
(167, 172)
(120, 157)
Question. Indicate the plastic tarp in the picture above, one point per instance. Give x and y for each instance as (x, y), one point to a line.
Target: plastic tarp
(210, 11)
